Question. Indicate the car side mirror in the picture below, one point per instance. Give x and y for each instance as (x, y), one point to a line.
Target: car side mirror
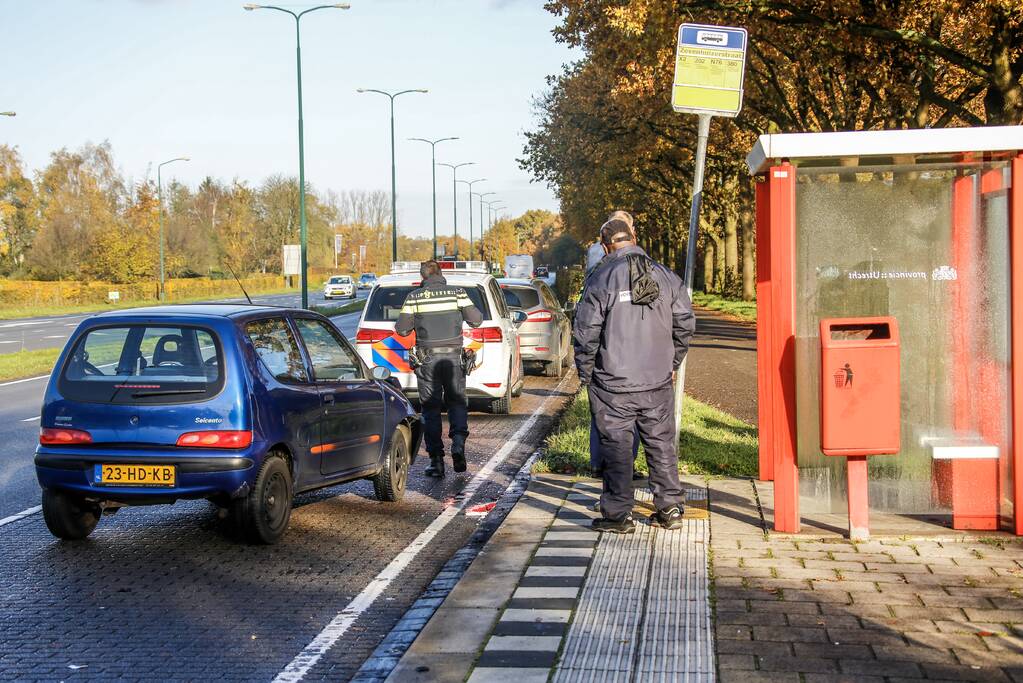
(570, 307)
(380, 373)
(518, 317)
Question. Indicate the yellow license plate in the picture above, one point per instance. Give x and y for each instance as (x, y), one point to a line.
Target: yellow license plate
(136, 475)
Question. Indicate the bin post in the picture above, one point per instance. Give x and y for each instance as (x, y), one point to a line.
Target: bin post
(859, 511)
(782, 189)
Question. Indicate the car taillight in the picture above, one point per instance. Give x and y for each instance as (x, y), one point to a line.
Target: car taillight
(367, 335)
(63, 437)
(486, 334)
(541, 316)
(215, 439)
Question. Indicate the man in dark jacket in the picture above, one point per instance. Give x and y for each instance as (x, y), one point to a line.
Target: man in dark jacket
(436, 312)
(631, 332)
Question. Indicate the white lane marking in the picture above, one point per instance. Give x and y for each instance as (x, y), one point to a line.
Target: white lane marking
(31, 419)
(339, 625)
(21, 515)
(12, 341)
(27, 379)
(34, 322)
(55, 336)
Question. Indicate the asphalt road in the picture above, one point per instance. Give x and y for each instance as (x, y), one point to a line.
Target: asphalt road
(168, 593)
(53, 331)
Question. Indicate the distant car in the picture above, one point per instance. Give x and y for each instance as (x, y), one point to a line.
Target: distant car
(367, 280)
(518, 265)
(542, 271)
(241, 405)
(339, 285)
(499, 375)
(546, 336)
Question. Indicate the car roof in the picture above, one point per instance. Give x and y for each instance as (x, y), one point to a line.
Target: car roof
(206, 310)
(459, 278)
(519, 282)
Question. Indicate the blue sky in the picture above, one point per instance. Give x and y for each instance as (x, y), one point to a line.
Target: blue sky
(206, 79)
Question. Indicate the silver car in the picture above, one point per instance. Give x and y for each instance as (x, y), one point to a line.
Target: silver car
(546, 336)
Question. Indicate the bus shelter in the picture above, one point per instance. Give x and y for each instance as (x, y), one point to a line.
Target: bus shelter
(924, 227)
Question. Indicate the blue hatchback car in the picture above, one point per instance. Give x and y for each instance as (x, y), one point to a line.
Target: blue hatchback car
(242, 405)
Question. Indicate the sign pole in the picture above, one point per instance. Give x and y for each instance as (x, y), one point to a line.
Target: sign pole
(702, 134)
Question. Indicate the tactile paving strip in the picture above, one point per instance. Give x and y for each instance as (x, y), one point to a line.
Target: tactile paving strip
(644, 613)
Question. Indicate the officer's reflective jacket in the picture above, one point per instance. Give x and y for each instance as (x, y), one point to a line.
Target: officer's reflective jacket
(625, 347)
(436, 312)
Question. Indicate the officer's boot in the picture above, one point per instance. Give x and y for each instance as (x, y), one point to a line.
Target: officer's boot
(436, 466)
(458, 455)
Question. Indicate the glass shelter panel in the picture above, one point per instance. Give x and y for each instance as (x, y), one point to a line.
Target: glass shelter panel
(927, 244)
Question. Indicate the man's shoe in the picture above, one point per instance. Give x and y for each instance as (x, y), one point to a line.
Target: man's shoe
(597, 473)
(436, 467)
(669, 518)
(458, 460)
(626, 525)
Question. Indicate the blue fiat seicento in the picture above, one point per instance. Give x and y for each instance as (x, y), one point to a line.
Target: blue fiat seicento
(242, 405)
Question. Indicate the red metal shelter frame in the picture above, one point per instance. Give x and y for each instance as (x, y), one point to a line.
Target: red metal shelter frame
(776, 232)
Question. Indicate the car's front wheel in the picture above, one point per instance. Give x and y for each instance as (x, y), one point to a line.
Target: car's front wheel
(263, 514)
(67, 516)
(389, 482)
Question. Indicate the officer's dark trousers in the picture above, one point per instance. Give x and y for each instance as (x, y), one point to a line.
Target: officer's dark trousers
(596, 464)
(616, 415)
(442, 385)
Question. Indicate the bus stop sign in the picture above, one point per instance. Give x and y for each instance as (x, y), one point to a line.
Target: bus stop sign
(709, 66)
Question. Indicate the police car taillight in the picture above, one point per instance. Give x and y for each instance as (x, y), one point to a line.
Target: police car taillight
(368, 335)
(541, 316)
(486, 334)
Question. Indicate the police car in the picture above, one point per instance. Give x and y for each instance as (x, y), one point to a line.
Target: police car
(498, 376)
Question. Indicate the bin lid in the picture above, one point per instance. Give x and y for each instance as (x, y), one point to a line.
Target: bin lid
(827, 148)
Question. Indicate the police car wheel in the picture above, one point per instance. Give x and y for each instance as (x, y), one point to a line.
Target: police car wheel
(502, 406)
(389, 482)
(263, 514)
(68, 517)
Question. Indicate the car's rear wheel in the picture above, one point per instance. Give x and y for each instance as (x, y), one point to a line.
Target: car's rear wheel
(263, 515)
(502, 406)
(67, 516)
(553, 369)
(389, 482)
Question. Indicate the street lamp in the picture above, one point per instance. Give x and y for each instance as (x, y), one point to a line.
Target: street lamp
(469, 184)
(303, 228)
(433, 165)
(454, 194)
(394, 200)
(159, 201)
(480, 195)
(7, 113)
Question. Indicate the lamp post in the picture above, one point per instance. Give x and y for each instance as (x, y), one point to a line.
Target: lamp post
(433, 166)
(469, 184)
(303, 227)
(454, 194)
(394, 189)
(159, 201)
(480, 196)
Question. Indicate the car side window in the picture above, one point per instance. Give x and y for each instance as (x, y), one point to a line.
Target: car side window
(498, 297)
(277, 349)
(332, 358)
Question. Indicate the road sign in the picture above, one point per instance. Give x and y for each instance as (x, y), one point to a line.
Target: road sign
(292, 260)
(338, 244)
(709, 66)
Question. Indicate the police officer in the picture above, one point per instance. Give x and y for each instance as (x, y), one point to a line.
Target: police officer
(436, 312)
(632, 329)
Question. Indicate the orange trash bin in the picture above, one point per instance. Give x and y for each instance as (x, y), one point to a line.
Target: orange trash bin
(860, 386)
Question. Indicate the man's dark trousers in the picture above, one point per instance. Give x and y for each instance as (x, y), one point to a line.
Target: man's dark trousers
(596, 463)
(616, 415)
(442, 385)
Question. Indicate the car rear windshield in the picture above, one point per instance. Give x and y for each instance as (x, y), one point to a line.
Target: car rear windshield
(386, 302)
(144, 364)
(520, 297)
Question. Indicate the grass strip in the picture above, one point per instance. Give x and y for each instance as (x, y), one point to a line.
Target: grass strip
(14, 312)
(714, 443)
(33, 363)
(744, 310)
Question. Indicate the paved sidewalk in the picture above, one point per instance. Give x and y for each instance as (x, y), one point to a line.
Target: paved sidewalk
(546, 600)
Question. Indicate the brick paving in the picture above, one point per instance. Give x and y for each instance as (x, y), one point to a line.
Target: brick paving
(166, 593)
(822, 609)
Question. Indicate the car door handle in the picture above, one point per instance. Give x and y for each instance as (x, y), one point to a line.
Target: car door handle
(328, 399)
